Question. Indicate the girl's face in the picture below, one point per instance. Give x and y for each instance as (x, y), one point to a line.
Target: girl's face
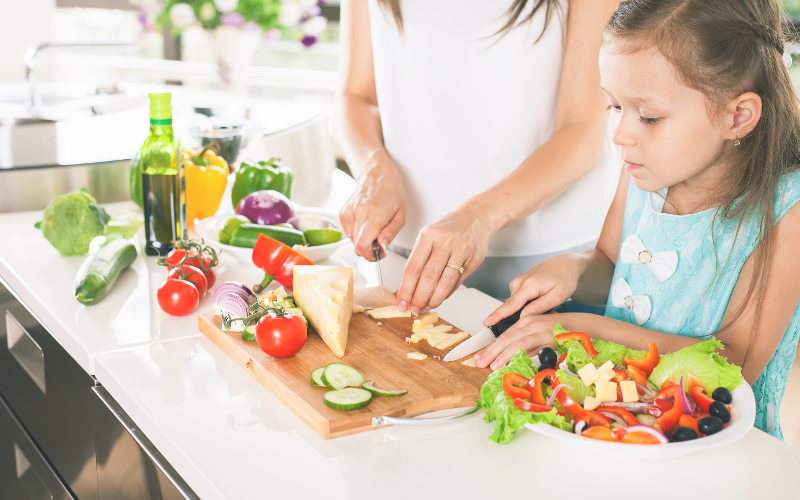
(663, 129)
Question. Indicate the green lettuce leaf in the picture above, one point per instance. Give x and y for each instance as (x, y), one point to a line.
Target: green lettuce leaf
(702, 361)
(499, 407)
(579, 390)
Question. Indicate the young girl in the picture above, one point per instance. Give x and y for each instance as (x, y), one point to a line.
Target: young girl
(704, 232)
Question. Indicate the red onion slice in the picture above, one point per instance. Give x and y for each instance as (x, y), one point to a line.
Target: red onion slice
(688, 403)
(637, 407)
(556, 390)
(616, 418)
(569, 372)
(232, 288)
(648, 394)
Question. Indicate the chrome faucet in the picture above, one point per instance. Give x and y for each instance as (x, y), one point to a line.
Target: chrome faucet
(33, 101)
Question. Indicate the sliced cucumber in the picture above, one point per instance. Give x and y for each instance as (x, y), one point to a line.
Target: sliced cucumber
(351, 398)
(370, 386)
(339, 376)
(316, 376)
(249, 333)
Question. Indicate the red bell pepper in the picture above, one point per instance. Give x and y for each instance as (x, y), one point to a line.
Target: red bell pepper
(666, 383)
(577, 411)
(514, 385)
(620, 412)
(535, 385)
(561, 358)
(648, 363)
(700, 397)
(690, 422)
(638, 437)
(601, 433)
(668, 420)
(581, 337)
(528, 406)
(670, 392)
(659, 406)
(277, 260)
(639, 376)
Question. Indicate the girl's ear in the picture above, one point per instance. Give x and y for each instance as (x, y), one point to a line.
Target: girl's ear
(745, 111)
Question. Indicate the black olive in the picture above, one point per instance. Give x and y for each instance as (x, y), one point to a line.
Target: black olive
(719, 410)
(548, 357)
(709, 425)
(683, 434)
(722, 395)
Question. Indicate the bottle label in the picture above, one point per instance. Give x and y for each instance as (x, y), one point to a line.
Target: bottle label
(160, 121)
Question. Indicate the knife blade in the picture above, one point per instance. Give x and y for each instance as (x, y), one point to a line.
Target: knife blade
(484, 337)
(376, 251)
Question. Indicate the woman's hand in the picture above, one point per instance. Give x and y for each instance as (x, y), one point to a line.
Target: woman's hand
(547, 285)
(376, 210)
(531, 333)
(458, 240)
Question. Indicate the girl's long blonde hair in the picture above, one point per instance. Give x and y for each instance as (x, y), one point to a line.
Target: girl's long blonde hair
(724, 48)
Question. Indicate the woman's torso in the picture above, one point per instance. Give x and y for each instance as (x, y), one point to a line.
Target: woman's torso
(691, 301)
(461, 108)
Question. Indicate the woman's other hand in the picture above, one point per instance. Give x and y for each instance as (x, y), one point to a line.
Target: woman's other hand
(445, 253)
(375, 210)
(547, 286)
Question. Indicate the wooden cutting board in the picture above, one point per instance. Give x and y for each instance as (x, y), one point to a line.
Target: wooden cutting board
(378, 352)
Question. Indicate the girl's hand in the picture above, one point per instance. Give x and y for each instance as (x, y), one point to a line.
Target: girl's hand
(531, 333)
(459, 239)
(376, 210)
(548, 285)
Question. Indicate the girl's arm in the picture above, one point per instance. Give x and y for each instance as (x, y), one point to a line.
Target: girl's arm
(376, 210)
(750, 348)
(462, 237)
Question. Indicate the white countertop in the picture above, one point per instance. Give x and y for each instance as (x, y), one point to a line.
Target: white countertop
(228, 437)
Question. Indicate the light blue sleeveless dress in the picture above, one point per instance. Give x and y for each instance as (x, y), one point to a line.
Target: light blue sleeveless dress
(672, 276)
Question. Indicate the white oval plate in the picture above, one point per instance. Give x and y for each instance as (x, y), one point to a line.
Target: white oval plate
(742, 418)
(209, 228)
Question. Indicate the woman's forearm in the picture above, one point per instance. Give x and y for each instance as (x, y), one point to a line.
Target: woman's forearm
(358, 132)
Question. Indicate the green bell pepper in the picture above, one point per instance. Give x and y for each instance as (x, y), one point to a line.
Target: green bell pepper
(258, 176)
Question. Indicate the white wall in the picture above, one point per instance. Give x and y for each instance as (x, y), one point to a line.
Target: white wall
(22, 24)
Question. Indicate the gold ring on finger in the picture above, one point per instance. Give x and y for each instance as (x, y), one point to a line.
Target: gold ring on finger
(460, 269)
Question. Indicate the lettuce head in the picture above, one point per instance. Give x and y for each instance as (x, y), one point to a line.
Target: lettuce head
(72, 220)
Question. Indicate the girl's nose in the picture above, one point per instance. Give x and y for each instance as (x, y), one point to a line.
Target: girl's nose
(621, 134)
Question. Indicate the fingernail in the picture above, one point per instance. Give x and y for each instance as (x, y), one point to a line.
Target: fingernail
(495, 366)
(402, 306)
(415, 310)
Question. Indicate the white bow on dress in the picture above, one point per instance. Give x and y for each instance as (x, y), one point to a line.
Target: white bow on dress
(663, 264)
(622, 296)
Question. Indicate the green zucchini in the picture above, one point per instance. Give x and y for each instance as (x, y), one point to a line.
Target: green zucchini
(246, 235)
(340, 375)
(100, 270)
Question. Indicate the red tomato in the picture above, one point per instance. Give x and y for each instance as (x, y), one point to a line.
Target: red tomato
(281, 336)
(211, 277)
(174, 258)
(191, 274)
(178, 297)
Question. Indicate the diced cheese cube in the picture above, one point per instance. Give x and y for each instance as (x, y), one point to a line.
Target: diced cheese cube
(606, 371)
(588, 374)
(388, 312)
(417, 355)
(422, 321)
(590, 403)
(452, 340)
(469, 362)
(606, 391)
(629, 392)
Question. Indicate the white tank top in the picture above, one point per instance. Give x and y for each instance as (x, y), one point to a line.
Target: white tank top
(461, 109)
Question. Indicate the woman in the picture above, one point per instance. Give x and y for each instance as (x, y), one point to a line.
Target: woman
(473, 129)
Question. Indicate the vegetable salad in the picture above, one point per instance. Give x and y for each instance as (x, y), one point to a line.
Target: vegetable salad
(604, 390)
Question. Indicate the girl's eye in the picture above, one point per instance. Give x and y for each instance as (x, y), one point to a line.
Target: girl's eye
(648, 121)
(614, 107)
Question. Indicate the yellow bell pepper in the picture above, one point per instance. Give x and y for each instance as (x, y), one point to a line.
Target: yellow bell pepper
(206, 178)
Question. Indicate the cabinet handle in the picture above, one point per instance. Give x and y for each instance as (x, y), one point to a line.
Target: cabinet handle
(25, 350)
(144, 444)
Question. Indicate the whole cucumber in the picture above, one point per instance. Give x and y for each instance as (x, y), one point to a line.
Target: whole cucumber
(247, 234)
(100, 270)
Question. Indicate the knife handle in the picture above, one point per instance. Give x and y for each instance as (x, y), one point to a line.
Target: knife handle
(507, 322)
(376, 249)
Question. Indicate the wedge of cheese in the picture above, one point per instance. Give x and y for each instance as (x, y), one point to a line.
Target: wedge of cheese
(325, 294)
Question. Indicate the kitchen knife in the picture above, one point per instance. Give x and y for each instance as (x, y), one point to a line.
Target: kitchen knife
(484, 337)
(376, 251)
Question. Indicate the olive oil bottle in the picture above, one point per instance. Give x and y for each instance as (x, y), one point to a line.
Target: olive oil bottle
(163, 181)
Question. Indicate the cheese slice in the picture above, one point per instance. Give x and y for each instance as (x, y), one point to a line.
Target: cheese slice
(388, 312)
(416, 355)
(325, 294)
(434, 337)
(469, 362)
(423, 321)
(452, 340)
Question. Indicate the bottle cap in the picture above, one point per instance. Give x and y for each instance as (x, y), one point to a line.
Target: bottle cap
(161, 108)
